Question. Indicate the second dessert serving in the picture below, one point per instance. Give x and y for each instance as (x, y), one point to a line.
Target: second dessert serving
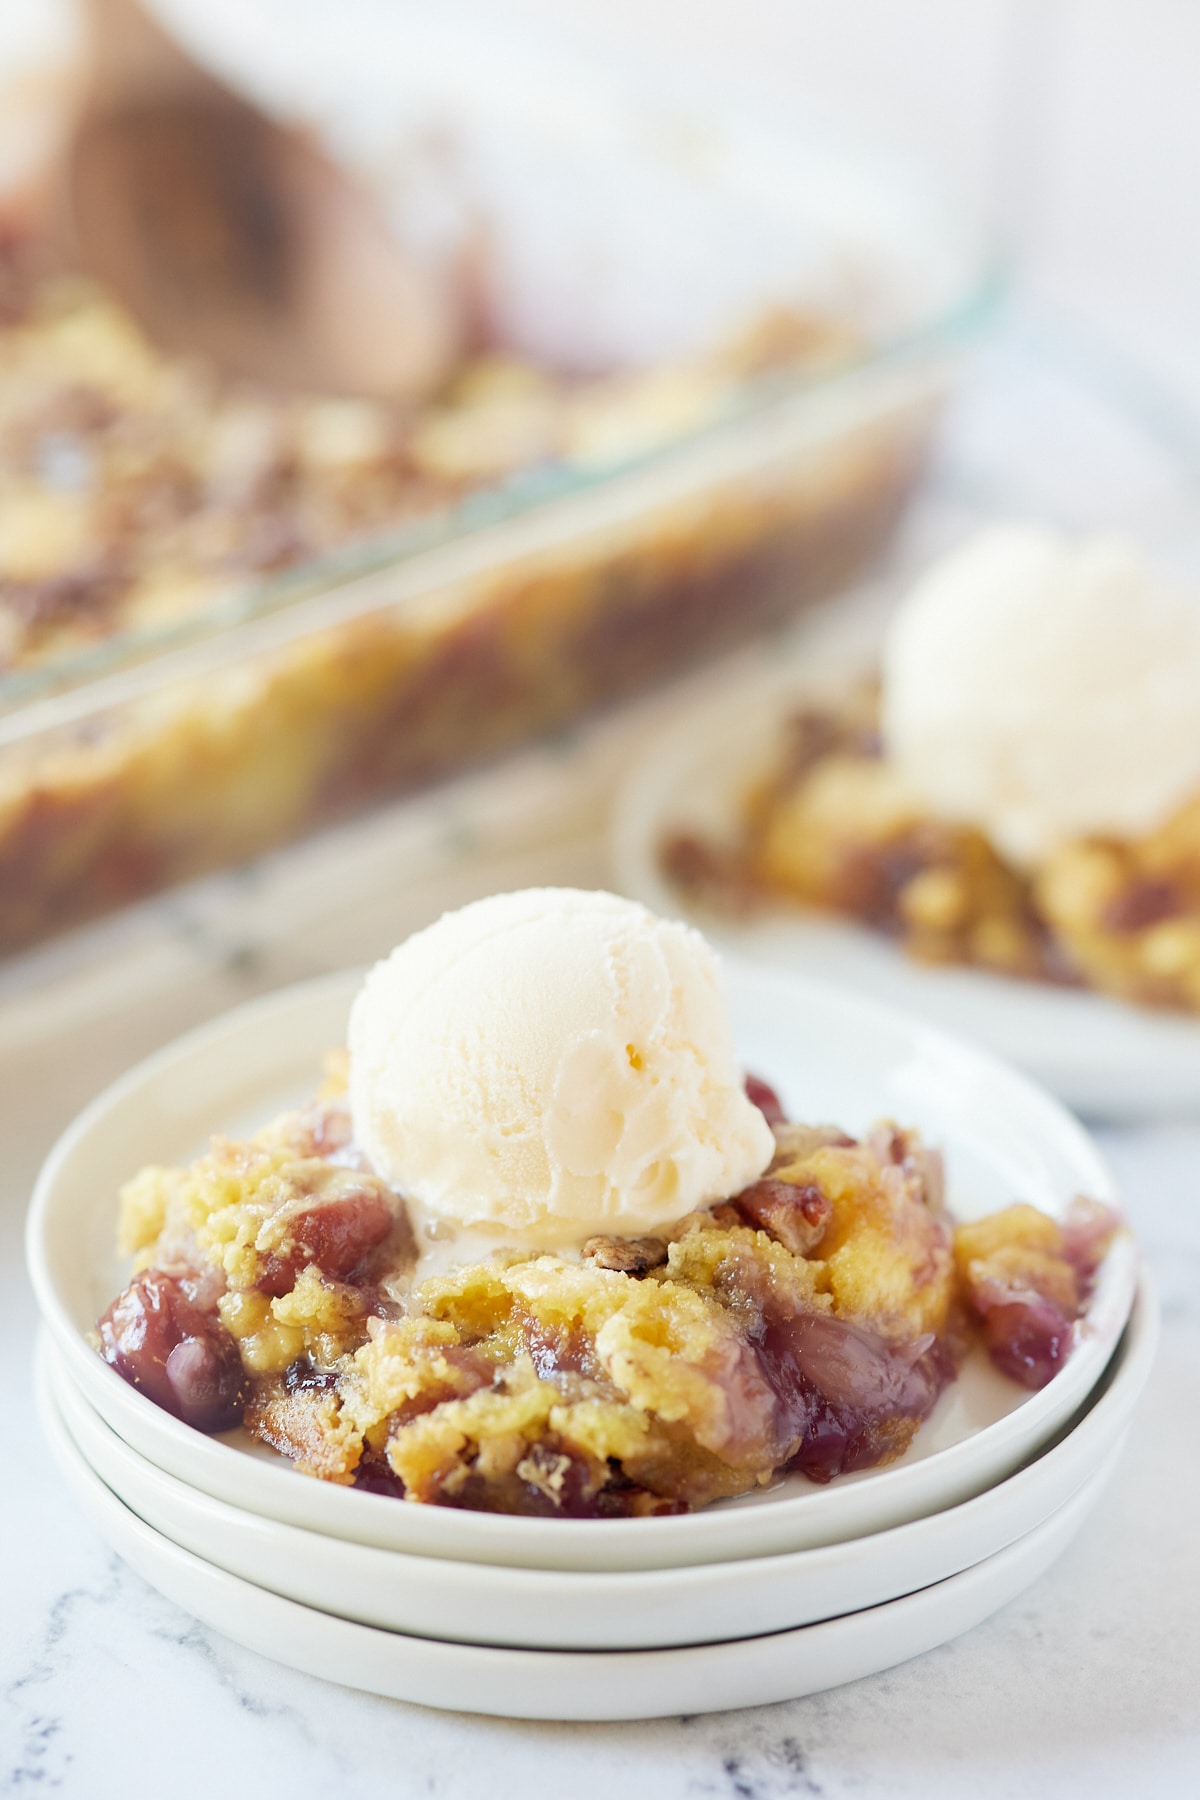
(1021, 792)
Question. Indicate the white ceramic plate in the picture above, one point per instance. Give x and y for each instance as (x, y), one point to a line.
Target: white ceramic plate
(543, 1609)
(1101, 1056)
(832, 1056)
(557, 1684)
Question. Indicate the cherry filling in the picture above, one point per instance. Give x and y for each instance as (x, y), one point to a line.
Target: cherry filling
(304, 1377)
(1088, 1229)
(1028, 1338)
(1030, 1333)
(181, 1357)
(557, 1354)
(1142, 903)
(850, 1396)
(795, 1214)
(375, 1475)
(767, 1101)
(337, 1232)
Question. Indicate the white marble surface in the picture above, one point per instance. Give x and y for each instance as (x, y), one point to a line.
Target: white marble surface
(1089, 1685)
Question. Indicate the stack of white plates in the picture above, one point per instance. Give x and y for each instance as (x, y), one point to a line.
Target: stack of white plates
(756, 1600)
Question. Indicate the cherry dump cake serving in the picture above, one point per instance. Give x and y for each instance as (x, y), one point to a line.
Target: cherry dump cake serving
(1022, 793)
(537, 1248)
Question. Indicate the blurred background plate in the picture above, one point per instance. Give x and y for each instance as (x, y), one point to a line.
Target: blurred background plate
(1103, 1056)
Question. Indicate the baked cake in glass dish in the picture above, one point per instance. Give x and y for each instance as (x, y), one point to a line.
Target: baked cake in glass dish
(536, 1247)
(1022, 791)
(229, 616)
(139, 486)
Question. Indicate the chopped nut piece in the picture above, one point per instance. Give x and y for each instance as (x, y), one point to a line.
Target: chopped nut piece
(630, 1256)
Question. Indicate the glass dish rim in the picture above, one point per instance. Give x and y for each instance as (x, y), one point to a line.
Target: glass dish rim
(520, 496)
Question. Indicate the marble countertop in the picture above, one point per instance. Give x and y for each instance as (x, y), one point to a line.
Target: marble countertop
(1088, 1685)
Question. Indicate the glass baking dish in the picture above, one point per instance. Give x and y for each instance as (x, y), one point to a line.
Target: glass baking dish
(160, 752)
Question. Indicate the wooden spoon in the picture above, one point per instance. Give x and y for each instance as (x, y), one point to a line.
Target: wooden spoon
(233, 236)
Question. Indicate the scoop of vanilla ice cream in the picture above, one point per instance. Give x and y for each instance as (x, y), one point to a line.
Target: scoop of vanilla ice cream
(1045, 690)
(552, 1064)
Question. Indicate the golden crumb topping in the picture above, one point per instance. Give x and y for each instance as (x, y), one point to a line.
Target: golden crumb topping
(809, 1322)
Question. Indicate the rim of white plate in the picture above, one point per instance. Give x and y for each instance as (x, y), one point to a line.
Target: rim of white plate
(555, 1684)
(658, 1608)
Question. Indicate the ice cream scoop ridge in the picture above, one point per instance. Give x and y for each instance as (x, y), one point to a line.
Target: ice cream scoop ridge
(550, 1064)
(1045, 690)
